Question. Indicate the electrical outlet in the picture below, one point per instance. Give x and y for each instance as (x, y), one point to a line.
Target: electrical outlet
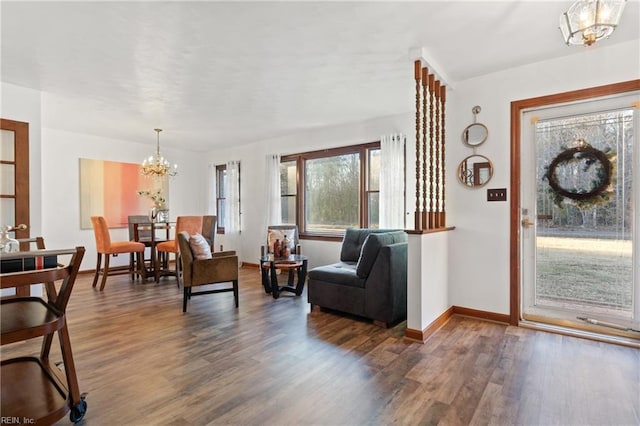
(497, 194)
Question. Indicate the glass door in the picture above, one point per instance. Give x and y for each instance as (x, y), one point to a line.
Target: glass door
(580, 189)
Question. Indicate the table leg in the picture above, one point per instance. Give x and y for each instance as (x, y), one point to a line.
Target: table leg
(155, 262)
(275, 290)
(265, 277)
(302, 277)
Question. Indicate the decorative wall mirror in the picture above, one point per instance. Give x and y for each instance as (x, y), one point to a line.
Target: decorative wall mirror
(475, 134)
(475, 171)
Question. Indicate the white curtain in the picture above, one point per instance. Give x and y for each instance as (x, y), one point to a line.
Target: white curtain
(273, 208)
(232, 193)
(392, 180)
(211, 190)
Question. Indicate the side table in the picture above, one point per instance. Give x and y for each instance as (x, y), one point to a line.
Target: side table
(295, 264)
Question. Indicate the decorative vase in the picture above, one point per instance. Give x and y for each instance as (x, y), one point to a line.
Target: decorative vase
(162, 215)
(276, 248)
(153, 214)
(285, 250)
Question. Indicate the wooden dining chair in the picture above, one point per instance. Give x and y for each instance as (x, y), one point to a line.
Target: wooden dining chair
(104, 246)
(190, 224)
(143, 236)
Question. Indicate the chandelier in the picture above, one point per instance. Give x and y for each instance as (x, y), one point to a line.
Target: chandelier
(158, 166)
(588, 21)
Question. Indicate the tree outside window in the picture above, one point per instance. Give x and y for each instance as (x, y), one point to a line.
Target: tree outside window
(325, 192)
(332, 199)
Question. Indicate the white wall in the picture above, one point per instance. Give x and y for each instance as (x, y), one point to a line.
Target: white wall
(479, 246)
(478, 251)
(54, 174)
(427, 279)
(61, 152)
(253, 178)
(22, 104)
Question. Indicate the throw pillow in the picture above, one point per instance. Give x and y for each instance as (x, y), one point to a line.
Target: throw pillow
(199, 247)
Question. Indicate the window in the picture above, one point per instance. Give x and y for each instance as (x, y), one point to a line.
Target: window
(288, 191)
(325, 192)
(222, 198)
(221, 177)
(372, 190)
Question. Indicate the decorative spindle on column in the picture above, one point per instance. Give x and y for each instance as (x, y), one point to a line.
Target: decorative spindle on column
(430, 175)
(431, 149)
(442, 221)
(434, 212)
(417, 215)
(425, 170)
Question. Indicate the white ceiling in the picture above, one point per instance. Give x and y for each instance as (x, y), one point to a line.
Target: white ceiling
(221, 73)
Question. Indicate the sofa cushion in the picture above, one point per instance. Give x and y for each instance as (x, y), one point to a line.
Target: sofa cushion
(354, 239)
(371, 247)
(352, 244)
(199, 247)
(339, 273)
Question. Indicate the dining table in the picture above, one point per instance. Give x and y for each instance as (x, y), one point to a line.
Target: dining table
(159, 232)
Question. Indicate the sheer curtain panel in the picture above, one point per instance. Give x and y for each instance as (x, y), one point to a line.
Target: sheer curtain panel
(273, 208)
(392, 179)
(211, 190)
(232, 192)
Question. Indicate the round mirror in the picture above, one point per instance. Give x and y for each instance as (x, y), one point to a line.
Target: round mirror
(475, 171)
(475, 134)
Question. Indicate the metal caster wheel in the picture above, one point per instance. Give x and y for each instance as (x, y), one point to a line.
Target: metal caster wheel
(78, 412)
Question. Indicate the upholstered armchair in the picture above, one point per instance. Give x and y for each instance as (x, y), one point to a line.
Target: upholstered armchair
(210, 229)
(201, 267)
(278, 232)
(369, 281)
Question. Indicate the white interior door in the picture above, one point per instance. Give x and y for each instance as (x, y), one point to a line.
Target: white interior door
(580, 165)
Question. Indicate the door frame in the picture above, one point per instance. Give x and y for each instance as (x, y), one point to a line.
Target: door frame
(515, 229)
(21, 178)
(21, 194)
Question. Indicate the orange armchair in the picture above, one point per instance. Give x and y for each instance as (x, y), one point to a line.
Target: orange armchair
(105, 246)
(190, 224)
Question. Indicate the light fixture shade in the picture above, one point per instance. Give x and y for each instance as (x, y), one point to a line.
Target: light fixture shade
(588, 21)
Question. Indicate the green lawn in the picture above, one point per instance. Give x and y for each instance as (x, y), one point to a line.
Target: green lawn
(585, 270)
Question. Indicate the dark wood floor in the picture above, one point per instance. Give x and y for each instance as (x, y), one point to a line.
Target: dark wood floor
(272, 362)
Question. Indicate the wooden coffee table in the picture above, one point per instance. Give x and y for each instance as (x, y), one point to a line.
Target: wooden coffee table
(295, 264)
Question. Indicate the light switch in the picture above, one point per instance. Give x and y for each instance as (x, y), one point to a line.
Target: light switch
(497, 194)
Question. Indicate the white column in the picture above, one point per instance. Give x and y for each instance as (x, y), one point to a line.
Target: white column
(427, 279)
